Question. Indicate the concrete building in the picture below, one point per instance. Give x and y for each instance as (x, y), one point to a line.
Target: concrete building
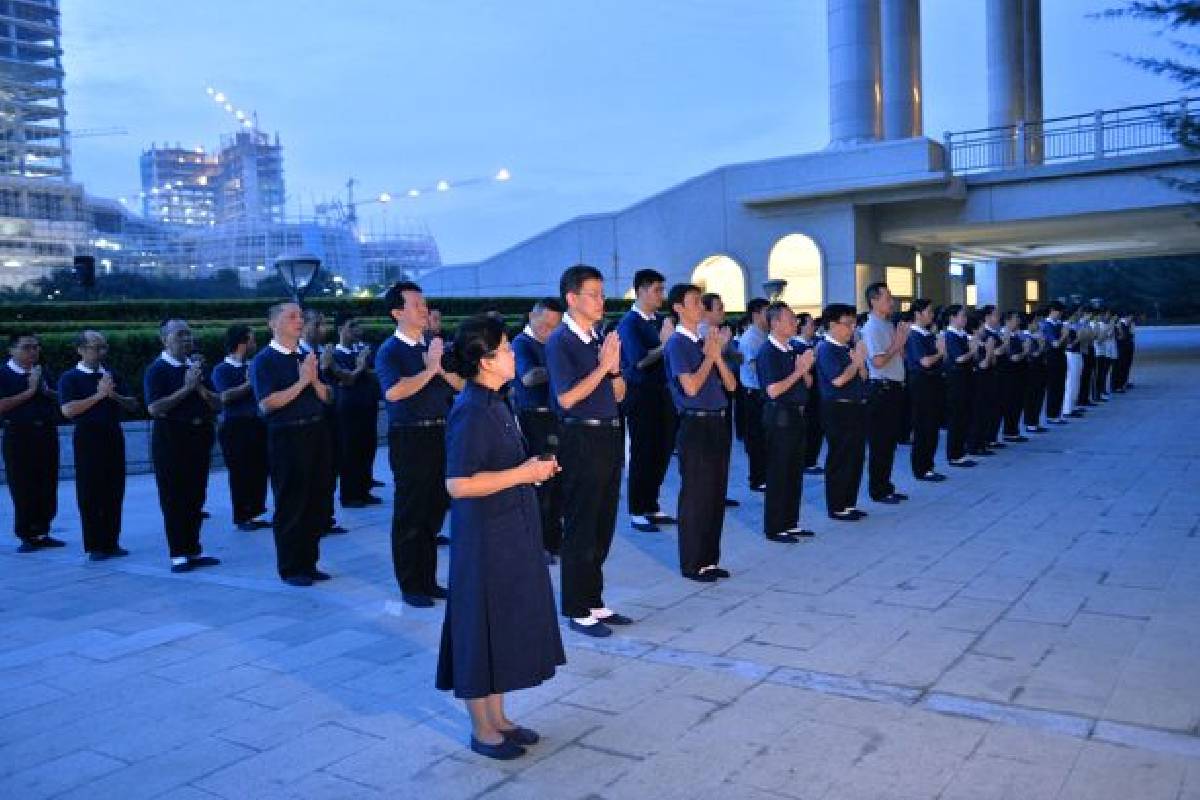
(41, 211)
(179, 185)
(976, 215)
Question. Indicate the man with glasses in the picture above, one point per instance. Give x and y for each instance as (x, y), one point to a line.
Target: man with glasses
(885, 391)
(842, 373)
(586, 387)
(181, 403)
(93, 398)
(27, 413)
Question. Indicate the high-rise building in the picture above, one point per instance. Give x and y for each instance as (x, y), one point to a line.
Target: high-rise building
(250, 179)
(179, 185)
(41, 211)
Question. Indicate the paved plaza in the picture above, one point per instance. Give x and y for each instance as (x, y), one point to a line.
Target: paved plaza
(1029, 629)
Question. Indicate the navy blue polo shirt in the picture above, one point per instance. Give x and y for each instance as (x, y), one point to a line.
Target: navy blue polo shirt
(775, 365)
(957, 345)
(684, 356)
(638, 337)
(920, 345)
(162, 379)
(569, 360)
(38, 408)
(272, 371)
(226, 376)
(364, 392)
(398, 359)
(832, 360)
(1051, 330)
(78, 384)
(1035, 351)
(530, 354)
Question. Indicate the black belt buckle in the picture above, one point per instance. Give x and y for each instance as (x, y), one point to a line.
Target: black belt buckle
(702, 413)
(613, 422)
(431, 422)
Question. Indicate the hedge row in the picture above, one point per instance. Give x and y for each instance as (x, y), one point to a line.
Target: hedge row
(154, 311)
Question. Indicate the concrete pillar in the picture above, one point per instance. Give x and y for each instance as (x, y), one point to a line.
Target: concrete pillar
(1032, 46)
(855, 90)
(900, 22)
(1005, 62)
(864, 276)
(933, 282)
(987, 283)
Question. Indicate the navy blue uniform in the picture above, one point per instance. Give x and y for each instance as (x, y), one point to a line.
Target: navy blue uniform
(30, 449)
(357, 412)
(99, 446)
(243, 438)
(812, 414)
(181, 442)
(703, 443)
(499, 633)
(539, 423)
(927, 393)
(1056, 366)
(591, 456)
(843, 415)
(1035, 388)
(786, 434)
(299, 453)
(417, 453)
(648, 412)
(959, 377)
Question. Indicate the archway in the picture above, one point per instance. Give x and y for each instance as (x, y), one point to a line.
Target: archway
(723, 275)
(796, 259)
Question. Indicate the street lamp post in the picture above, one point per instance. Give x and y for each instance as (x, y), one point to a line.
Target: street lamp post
(774, 288)
(298, 273)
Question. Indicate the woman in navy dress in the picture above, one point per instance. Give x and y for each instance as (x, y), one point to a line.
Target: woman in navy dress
(500, 631)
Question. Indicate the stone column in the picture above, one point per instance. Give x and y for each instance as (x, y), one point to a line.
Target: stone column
(1032, 45)
(987, 283)
(855, 90)
(901, 57)
(1005, 74)
(933, 282)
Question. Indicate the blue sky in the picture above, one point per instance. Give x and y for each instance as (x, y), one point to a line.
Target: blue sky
(592, 104)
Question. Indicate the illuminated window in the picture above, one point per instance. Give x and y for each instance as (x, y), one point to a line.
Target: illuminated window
(972, 294)
(920, 264)
(900, 281)
(630, 294)
(956, 269)
(796, 259)
(723, 275)
(1031, 290)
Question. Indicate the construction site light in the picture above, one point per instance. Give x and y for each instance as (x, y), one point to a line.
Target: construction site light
(414, 192)
(385, 197)
(443, 186)
(219, 97)
(503, 175)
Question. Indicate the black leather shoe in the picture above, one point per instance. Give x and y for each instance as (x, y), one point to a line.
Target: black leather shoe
(849, 515)
(782, 538)
(205, 515)
(717, 571)
(962, 462)
(758, 487)
(298, 580)
(701, 577)
(521, 736)
(117, 552)
(438, 592)
(616, 619)
(889, 500)
(98, 555)
(814, 471)
(931, 477)
(597, 630)
(441, 540)
(1017, 438)
(801, 533)
(334, 530)
(204, 561)
(28, 546)
(318, 575)
(659, 518)
(505, 751)
(185, 566)
(376, 484)
(50, 541)
(417, 600)
(643, 524)
(354, 504)
(731, 503)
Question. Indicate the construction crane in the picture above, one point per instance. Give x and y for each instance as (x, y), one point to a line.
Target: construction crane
(347, 212)
(92, 133)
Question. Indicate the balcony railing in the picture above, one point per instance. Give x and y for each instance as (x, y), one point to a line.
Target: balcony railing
(1084, 137)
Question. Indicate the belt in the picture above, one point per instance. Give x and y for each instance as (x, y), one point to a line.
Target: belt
(613, 422)
(538, 410)
(885, 382)
(750, 390)
(297, 423)
(192, 422)
(796, 408)
(702, 413)
(35, 423)
(847, 400)
(432, 422)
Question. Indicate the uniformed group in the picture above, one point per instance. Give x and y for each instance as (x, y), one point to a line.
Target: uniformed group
(301, 416)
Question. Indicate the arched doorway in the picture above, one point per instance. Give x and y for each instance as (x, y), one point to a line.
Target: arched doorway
(796, 259)
(723, 275)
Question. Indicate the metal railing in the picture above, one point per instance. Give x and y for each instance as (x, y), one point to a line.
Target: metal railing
(1083, 137)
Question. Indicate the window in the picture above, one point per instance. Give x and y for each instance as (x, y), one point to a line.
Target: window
(723, 275)
(972, 295)
(900, 281)
(796, 259)
(1032, 290)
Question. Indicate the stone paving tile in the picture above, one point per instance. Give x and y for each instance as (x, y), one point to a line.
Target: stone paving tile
(1042, 645)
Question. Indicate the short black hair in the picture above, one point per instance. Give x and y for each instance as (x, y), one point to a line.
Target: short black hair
(18, 335)
(708, 298)
(874, 290)
(1055, 305)
(835, 311)
(803, 318)
(985, 310)
(679, 292)
(919, 305)
(573, 278)
(476, 339)
(646, 277)
(756, 305)
(775, 311)
(394, 297)
(549, 304)
(235, 335)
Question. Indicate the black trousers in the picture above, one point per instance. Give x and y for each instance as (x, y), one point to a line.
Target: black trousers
(958, 413)
(650, 415)
(704, 444)
(357, 440)
(787, 433)
(244, 446)
(1103, 367)
(182, 453)
(1014, 382)
(813, 432)
(1124, 362)
(31, 464)
(334, 465)
(299, 457)
(846, 432)
(418, 459)
(1035, 394)
(538, 427)
(591, 460)
(926, 395)
(885, 417)
(99, 484)
(985, 388)
(1086, 379)
(755, 441)
(1056, 381)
